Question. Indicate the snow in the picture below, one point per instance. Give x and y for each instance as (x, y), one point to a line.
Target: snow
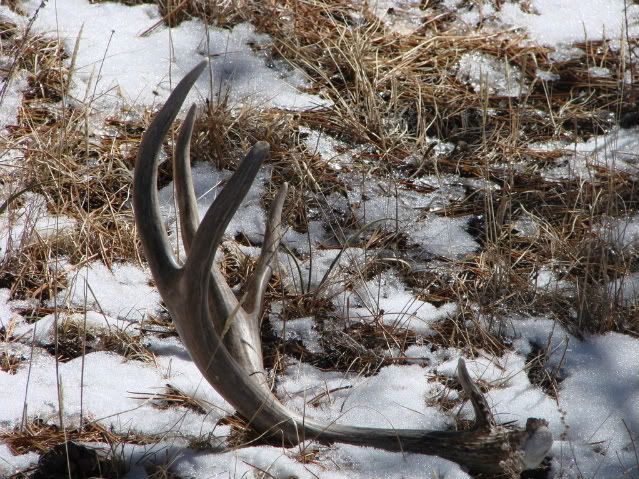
(120, 61)
(297, 329)
(335, 153)
(598, 395)
(490, 76)
(122, 401)
(11, 90)
(553, 23)
(622, 233)
(362, 463)
(10, 464)
(394, 398)
(315, 235)
(547, 280)
(384, 298)
(400, 16)
(406, 389)
(550, 23)
(615, 151)
(324, 265)
(124, 291)
(601, 390)
(547, 76)
(406, 211)
(625, 288)
(594, 419)
(599, 72)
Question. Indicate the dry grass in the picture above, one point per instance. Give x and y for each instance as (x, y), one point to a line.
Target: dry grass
(173, 397)
(161, 471)
(62, 456)
(9, 362)
(36, 436)
(392, 92)
(28, 269)
(75, 175)
(75, 340)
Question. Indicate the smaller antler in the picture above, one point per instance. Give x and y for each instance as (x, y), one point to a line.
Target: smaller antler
(238, 327)
(223, 336)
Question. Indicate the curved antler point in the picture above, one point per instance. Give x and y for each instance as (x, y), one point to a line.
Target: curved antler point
(262, 147)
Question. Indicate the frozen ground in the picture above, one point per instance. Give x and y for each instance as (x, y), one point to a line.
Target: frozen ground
(595, 418)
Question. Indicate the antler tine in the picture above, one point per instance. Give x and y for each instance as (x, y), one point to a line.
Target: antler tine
(238, 374)
(211, 229)
(239, 331)
(189, 219)
(186, 200)
(145, 200)
(264, 267)
(483, 417)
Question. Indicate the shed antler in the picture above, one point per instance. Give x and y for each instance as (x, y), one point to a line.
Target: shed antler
(223, 336)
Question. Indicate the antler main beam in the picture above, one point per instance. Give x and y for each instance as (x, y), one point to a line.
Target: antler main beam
(223, 336)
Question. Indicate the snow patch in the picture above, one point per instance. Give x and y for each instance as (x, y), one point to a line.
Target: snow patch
(125, 291)
(127, 56)
(552, 23)
(489, 75)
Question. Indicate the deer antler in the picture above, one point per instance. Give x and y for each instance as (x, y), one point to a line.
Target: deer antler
(222, 335)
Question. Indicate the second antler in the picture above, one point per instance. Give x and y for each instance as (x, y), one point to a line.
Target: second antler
(222, 335)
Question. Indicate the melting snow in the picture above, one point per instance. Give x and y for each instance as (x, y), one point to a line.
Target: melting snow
(616, 151)
(125, 291)
(489, 75)
(551, 23)
(125, 54)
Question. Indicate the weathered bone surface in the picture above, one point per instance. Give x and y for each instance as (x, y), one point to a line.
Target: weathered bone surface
(222, 334)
